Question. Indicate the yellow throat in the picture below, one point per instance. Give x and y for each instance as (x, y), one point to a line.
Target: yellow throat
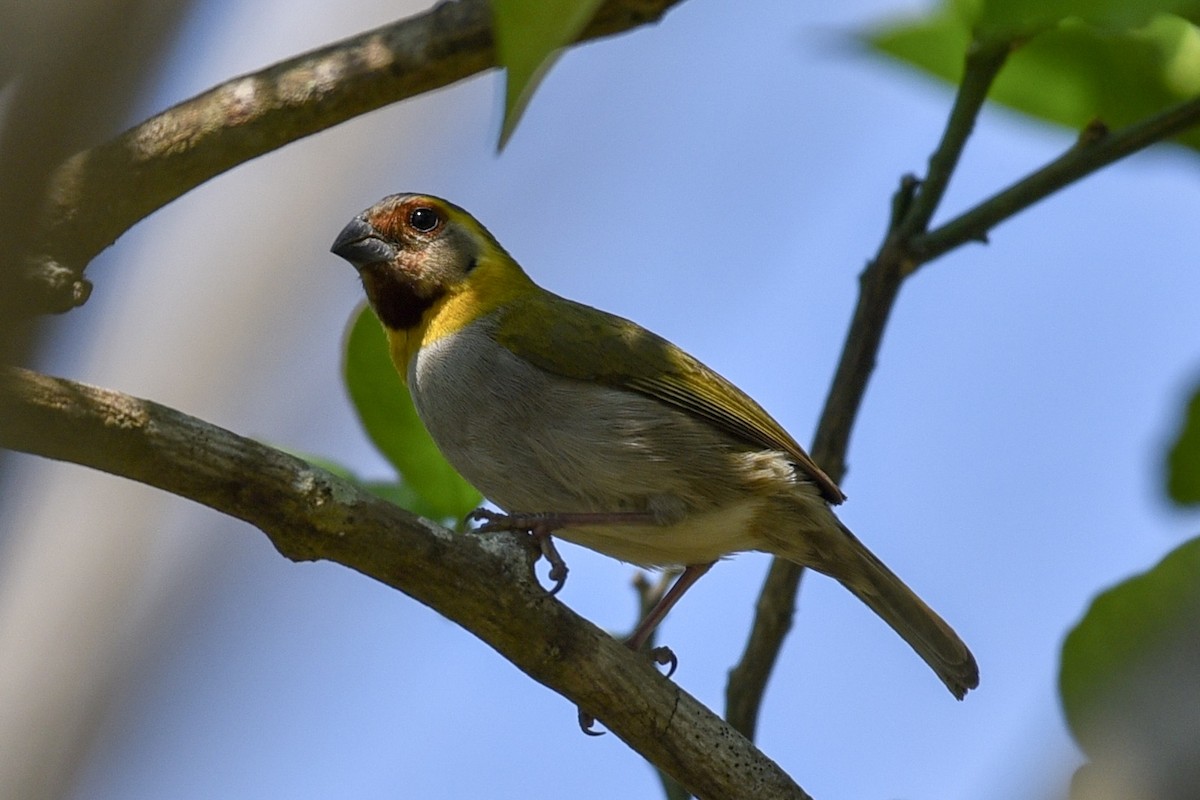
(495, 282)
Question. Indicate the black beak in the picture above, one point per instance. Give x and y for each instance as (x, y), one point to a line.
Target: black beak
(360, 244)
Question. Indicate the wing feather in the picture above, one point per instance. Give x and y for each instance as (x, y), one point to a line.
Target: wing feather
(577, 341)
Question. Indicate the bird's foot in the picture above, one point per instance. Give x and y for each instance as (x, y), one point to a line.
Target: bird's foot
(541, 524)
(665, 657)
(558, 567)
(538, 525)
(661, 655)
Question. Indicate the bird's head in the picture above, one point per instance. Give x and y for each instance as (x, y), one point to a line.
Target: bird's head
(413, 251)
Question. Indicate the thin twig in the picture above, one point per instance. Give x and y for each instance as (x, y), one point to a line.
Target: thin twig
(485, 584)
(983, 63)
(1095, 149)
(879, 285)
(100, 193)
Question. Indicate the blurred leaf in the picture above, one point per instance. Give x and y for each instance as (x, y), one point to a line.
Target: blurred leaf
(529, 35)
(1028, 17)
(1087, 63)
(1131, 660)
(400, 494)
(936, 44)
(386, 411)
(1183, 462)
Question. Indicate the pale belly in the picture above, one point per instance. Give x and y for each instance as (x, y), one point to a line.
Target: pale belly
(698, 539)
(533, 442)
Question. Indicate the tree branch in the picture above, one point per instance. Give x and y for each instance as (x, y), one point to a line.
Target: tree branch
(983, 63)
(485, 584)
(879, 286)
(1096, 148)
(908, 245)
(100, 193)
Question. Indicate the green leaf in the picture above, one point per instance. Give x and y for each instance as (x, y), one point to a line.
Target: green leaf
(1183, 461)
(340, 470)
(1130, 660)
(529, 35)
(1085, 61)
(935, 44)
(403, 495)
(432, 487)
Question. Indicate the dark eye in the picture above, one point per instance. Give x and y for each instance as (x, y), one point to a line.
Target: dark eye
(423, 219)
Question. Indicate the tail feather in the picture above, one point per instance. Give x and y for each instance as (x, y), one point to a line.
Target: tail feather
(855, 567)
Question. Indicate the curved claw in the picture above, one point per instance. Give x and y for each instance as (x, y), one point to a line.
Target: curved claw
(558, 567)
(586, 721)
(492, 521)
(665, 656)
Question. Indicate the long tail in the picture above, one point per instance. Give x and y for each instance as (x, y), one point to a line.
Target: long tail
(855, 567)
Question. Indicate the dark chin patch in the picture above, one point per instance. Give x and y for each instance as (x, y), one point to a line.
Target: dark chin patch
(396, 302)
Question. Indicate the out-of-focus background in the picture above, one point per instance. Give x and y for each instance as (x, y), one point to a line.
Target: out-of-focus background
(721, 178)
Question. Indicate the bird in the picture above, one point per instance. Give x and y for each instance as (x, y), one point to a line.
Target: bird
(585, 426)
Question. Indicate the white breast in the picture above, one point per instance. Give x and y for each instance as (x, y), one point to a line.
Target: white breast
(532, 441)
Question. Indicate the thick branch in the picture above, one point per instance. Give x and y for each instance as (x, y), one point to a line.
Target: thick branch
(483, 583)
(100, 193)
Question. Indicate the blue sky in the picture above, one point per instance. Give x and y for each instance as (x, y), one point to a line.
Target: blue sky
(721, 178)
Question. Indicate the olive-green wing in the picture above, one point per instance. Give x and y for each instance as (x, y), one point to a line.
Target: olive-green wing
(577, 341)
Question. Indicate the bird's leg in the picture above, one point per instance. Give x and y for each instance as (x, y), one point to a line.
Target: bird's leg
(553, 520)
(663, 655)
(540, 525)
